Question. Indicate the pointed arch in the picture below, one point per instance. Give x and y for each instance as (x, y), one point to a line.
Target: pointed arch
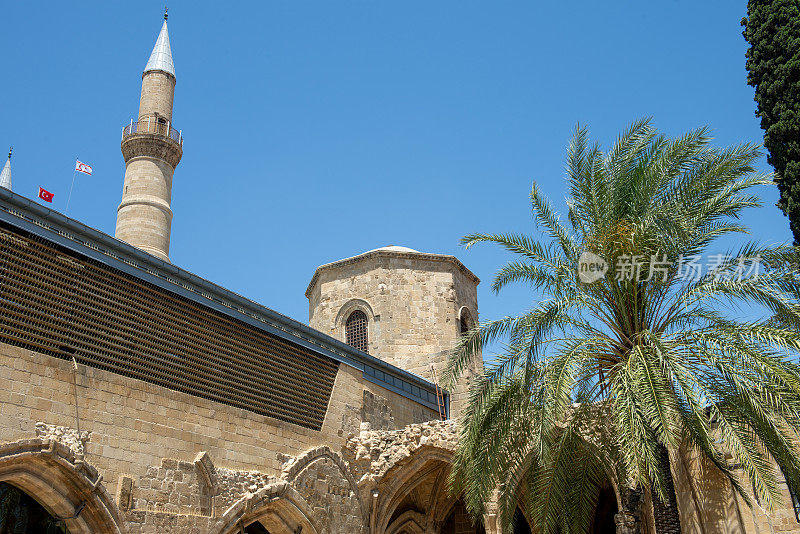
(409, 522)
(349, 307)
(415, 492)
(610, 493)
(406, 474)
(277, 506)
(293, 470)
(63, 483)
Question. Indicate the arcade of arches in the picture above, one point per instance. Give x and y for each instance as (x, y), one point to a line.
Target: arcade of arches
(22, 514)
(382, 482)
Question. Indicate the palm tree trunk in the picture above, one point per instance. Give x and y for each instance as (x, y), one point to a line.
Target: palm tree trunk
(629, 517)
(665, 515)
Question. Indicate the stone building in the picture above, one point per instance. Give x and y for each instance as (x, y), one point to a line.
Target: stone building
(139, 398)
(407, 307)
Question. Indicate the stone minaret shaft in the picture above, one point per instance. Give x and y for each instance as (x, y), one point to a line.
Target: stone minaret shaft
(152, 149)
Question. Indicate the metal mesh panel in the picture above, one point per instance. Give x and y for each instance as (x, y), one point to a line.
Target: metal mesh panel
(61, 304)
(356, 330)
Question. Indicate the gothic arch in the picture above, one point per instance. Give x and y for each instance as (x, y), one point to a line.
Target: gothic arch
(292, 470)
(409, 522)
(410, 467)
(63, 483)
(278, 506)
(607, 468)
(427, 468)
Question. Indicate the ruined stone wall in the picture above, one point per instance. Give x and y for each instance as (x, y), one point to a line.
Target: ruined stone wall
(149, 460)
(145, 440)
(327, 486)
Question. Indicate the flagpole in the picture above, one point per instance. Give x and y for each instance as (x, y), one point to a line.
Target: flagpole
(74, 170)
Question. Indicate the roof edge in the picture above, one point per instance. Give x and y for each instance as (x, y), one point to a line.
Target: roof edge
(52, 225)
(145, 73)
(444, 258)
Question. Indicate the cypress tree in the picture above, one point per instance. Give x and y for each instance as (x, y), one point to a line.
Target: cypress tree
(772, 28)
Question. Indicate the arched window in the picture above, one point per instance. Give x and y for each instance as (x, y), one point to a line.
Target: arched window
(356, 330)
(465, 323)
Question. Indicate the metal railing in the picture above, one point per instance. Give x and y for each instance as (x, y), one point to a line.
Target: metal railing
(153, 126)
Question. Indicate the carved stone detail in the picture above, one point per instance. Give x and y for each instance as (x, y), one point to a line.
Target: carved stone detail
(153, 146)
(65, 435)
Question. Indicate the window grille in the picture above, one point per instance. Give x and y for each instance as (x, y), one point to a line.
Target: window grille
(356, 331)
(60, 303)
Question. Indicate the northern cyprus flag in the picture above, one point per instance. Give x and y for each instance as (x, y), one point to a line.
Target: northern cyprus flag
(82, 167)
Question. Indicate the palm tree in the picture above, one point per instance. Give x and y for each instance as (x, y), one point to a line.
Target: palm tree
(602, 378)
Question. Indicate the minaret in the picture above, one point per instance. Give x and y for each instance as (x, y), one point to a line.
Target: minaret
(5, 174)
(152, 149)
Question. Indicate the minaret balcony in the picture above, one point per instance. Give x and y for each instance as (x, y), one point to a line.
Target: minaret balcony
(152, 126)
(152, 137)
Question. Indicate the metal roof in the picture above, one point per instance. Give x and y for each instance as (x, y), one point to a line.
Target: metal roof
(396, 248)
(53, 226)
(161, 57)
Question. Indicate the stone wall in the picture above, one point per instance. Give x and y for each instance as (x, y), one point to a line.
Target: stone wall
(148, 442)
(172, 487)
(158, 93)
(148, 460)
(324, 480)
(708, 504)
(412, 302)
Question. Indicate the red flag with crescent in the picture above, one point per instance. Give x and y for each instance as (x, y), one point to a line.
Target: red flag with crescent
(45, 195)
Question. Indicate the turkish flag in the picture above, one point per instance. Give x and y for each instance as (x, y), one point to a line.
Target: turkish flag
(47, 196)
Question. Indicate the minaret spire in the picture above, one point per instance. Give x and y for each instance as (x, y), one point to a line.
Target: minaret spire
(152, 148)
(161, 57)
(5, 174)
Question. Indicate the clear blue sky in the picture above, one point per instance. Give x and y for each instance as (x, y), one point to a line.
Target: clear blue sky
(318, 130)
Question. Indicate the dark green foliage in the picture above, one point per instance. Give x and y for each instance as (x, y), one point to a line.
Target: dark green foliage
(772, 28)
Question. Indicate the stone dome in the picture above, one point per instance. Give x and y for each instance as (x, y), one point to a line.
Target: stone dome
(394, 248)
